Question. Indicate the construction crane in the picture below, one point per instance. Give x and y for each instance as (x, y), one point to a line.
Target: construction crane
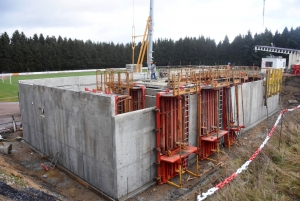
(146, 43)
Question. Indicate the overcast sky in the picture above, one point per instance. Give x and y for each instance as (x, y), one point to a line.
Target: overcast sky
(112, 20)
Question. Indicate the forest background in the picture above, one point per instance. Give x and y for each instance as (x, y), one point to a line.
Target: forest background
(19, 53)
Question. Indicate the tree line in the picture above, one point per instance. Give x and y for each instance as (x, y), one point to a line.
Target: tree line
(19, 53)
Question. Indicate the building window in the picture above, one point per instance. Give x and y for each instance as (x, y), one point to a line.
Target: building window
(269, 64)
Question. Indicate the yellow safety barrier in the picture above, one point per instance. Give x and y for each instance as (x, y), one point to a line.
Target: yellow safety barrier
(273, 82)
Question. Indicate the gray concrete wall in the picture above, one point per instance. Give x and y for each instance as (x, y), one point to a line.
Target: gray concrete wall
(150, 97)
(135, 157)
(253, 101)
(62, 82)
(193, 120)
(79, 125)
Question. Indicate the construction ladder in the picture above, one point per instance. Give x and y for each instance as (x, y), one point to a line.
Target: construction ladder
(221, 108)
(186, 118)
(186, 128)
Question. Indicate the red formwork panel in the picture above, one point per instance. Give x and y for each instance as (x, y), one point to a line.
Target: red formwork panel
(138, 97)
(170, 164)
(209, 143)
(227, 117)
(134, 101)
(227, 114)
(167, 121)
(296, 69)
(229, 139)
(209, 136)
(208, 98)
(167, 135)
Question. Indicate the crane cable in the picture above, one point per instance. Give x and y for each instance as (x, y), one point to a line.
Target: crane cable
(264, 13)
(132, 13)
(133, 33)
(133, 28)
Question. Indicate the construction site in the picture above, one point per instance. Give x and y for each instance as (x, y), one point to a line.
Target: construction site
(122, 133)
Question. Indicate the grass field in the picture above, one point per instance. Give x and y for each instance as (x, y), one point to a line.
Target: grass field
(9, 92)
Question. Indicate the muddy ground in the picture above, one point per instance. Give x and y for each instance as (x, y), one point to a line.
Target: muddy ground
(23, 178)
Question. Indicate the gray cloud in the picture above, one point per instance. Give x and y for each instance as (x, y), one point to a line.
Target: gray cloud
(102, 20)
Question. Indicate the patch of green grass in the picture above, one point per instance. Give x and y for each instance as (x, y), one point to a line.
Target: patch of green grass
(273, 175)
(17, 179)
(9, 92)
(11, 177)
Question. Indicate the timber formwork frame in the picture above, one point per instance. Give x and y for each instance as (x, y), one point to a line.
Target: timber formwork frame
(250, 73)
(129, 96)
(184, 81)
(215, 76)
(190, 80)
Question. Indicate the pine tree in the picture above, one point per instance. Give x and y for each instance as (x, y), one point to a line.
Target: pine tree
(5, 53)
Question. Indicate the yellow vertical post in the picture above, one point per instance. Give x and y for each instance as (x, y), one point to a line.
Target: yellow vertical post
(143, 46)
(237, 104)
(180, 138)
(217, 121)
(280, 81)
(199, 122)
(133, 43)
(197, 165)
(97, 83)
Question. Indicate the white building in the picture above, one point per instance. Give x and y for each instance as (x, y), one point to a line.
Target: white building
(273, 62)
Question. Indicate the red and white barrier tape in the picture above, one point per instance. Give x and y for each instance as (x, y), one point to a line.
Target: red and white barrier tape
(246, 164)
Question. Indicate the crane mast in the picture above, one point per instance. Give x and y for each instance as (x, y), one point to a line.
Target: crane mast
(150, 34)
(146, 43)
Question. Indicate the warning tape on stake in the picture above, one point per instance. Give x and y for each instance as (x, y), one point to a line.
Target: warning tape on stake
(246, 164)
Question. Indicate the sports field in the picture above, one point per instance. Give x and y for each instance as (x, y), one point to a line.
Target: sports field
(9, 92)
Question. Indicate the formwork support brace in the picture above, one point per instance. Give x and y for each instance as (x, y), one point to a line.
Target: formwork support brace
(180, 179)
